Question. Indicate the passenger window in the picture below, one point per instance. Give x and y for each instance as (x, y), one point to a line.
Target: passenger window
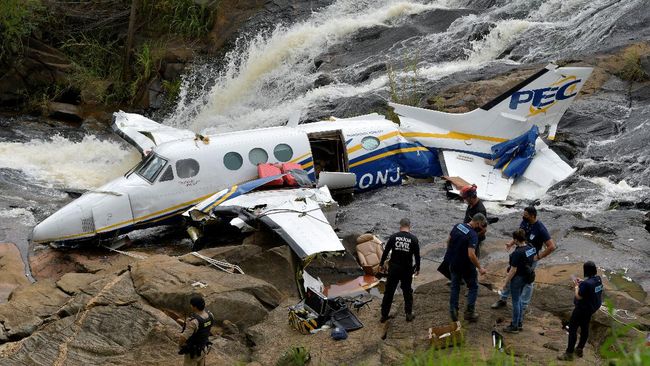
(257, 156)
(167, 175)
(283, 152)
(233, 160)
(187, 168)
(370, 142)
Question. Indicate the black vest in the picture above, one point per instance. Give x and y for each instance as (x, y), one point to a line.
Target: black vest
(200, 339)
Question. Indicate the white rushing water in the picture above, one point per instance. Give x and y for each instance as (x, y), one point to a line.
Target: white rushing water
(62, 163)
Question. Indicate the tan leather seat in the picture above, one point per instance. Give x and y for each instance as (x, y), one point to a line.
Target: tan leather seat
(369, 252)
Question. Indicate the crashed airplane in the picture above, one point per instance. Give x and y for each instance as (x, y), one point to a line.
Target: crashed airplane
(496, 147)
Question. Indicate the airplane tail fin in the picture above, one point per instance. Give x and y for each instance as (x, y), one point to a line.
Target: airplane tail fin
(539, 100)
(543, 98)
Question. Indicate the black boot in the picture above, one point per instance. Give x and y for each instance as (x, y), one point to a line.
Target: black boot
(454, 315)
(470, 314)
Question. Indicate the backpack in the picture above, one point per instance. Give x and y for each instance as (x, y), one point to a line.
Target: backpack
(529, 275)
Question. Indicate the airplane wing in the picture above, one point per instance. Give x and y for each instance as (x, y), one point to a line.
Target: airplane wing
(295, 214)
(144, 133)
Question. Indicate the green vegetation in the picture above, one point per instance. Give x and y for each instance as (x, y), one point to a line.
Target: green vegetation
(93, 36)
(296, 356)
(181, 17)
(632, 70)
(458, 356)
(625, 345)
(18, 19)
(403, 85)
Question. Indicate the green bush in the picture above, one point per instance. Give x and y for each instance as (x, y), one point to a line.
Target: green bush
(625, 345)
(18, 19)
(296, 356)
(632, 70)
(183, 17)
(403, 86)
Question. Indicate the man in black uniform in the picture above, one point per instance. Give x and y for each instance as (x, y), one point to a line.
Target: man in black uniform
(588, 299)
(403, 246)
(474, 206)
(194, 340)
(463, 263)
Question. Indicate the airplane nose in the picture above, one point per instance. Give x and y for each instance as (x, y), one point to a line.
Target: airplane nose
(65, 224)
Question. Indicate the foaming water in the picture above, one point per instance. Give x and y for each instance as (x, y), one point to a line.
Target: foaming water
(270, 70)
(63, 163)
(23, 215)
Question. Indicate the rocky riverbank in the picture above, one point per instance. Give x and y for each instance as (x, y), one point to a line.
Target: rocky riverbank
(120, 309)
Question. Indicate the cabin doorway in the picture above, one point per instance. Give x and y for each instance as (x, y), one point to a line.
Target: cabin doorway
(329, 152)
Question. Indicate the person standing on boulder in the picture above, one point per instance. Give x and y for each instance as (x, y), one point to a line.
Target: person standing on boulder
(463, 264)
(194, 339)
(403, 246)
(537, 236)
(588, 297)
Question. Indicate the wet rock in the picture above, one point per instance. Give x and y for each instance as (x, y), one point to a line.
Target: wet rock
(367, 73)
(167, 283)
(40, 67)
(480, 31)
(173, 70)
(322, 80)
(65, 112)
(12, 274)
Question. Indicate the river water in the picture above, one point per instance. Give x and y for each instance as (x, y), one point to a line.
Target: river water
(270, 72)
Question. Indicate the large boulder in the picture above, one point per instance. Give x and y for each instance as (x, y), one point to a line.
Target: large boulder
(28, 307)
(137, 334)
(13, 270)
(168, 284)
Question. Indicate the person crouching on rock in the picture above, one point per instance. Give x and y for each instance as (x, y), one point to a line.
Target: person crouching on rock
(194, 339)
(588, 297)
(463, 263)
(403, 247)
(520, 274)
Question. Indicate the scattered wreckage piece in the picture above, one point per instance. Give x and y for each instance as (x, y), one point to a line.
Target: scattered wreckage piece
(219, 264)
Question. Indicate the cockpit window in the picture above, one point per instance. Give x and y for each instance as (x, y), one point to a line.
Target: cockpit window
(167, 175)
(151, 168)
(187, 168)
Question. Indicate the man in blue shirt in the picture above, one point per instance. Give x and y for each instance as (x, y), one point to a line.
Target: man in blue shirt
(463, 263)
(538, 237)
(588, 299)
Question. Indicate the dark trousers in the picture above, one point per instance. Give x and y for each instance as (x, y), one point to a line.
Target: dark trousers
(404, 277)
(579, 318)
(471, 279)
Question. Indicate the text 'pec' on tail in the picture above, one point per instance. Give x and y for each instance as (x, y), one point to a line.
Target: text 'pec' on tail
(543, 98)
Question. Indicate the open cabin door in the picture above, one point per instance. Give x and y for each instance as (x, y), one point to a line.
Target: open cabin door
(329, 151)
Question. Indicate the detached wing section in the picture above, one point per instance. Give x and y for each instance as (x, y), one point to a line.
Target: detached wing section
(144, 133)
(296, 214)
